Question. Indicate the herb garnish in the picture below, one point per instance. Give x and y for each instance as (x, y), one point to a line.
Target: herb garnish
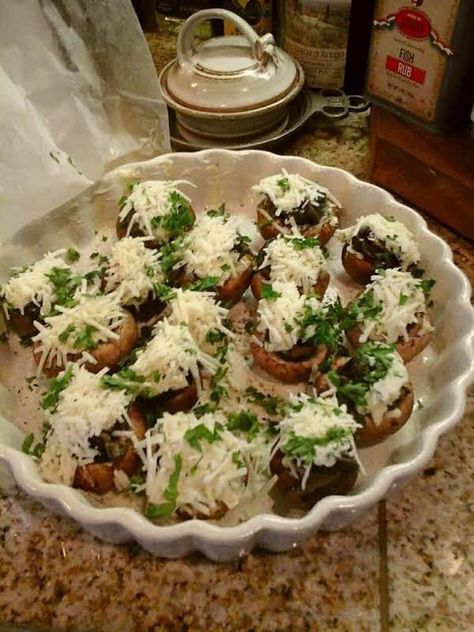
(64, 335)
(204, 409)
(125, 380)
(165, 510)
(214, 335)
(302, 243)
(129, 189)
(84, 339)
(28, 448)
(370, 364)
(303, 448)
(217, 390)
(267, 292)
(64, 285)
(73, 255)
(55, 387)
(135, 483)
(217, 212)
(201, 432)
(272, 405)
(170, 254)
(245, 421)
(237, 459)
(362, 308)
(206, 283)
(179, 218)
(242, 244)
(427, 285)
(321, 326)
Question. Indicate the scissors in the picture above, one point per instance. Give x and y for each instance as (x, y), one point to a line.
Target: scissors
(335, 104)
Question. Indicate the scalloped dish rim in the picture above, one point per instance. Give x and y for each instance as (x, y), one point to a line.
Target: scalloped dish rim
(273, 532)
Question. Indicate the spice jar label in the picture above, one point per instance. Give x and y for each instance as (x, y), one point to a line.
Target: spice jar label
(410, 49)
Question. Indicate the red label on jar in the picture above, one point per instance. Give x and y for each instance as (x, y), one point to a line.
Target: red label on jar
(405, 70)
(413, 23)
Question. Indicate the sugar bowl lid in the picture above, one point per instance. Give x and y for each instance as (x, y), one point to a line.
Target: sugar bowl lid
(230, 74)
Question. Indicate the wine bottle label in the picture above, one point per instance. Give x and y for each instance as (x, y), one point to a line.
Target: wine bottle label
(409, 53)
(316, 35)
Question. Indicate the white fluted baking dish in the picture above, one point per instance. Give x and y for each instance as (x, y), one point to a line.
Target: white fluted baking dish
(441, 374)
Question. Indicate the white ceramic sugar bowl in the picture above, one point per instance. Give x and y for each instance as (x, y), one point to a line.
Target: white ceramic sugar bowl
(229, 87)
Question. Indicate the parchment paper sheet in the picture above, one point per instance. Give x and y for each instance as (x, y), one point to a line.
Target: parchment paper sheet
(79, 95)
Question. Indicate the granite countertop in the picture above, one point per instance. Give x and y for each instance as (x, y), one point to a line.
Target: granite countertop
(408, 564)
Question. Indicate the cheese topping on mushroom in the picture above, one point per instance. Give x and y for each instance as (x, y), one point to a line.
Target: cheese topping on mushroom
(133, 271)
(280, 313)
(80, 409)
(203, 461)
(79, 329)
(294, 259)
(316, 431)
(168, 360)
(157, 207)
(33, 285)
(394, 235)
(202, 314)
(211, 248)
(289, 192)
(401, 302)
(386, 391)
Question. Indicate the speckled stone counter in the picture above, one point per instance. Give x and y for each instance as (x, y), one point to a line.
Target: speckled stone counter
(407, 565)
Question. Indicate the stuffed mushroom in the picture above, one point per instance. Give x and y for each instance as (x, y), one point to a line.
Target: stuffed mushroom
(375, 386)
(199, 468)
(156, 210)
(166, 373)
(215, 255)
(293, 333)
(96, 332)
(393, 309)
(315, 454)
(289, 201)
(32, 292)
(134, 273)
(377, 242)
(295, 259)
(91, 431)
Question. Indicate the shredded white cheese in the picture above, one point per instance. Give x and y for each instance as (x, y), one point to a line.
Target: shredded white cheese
(101, 316)
(289, 192)
(169, 358)
(403, 302)
(85, 409)
(209, 248)
(148, 200)
(132, 271)
(278, 317)
(33, 285)
(314, 418)
(56, 465)
(290, 264)
(209, 476)
(394, 235)
(386, 391)
(200, 312)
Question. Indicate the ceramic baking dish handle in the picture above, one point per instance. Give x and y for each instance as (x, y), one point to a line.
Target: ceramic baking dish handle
(262, 47)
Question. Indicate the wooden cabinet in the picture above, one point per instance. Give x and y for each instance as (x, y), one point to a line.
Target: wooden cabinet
(432, 171)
